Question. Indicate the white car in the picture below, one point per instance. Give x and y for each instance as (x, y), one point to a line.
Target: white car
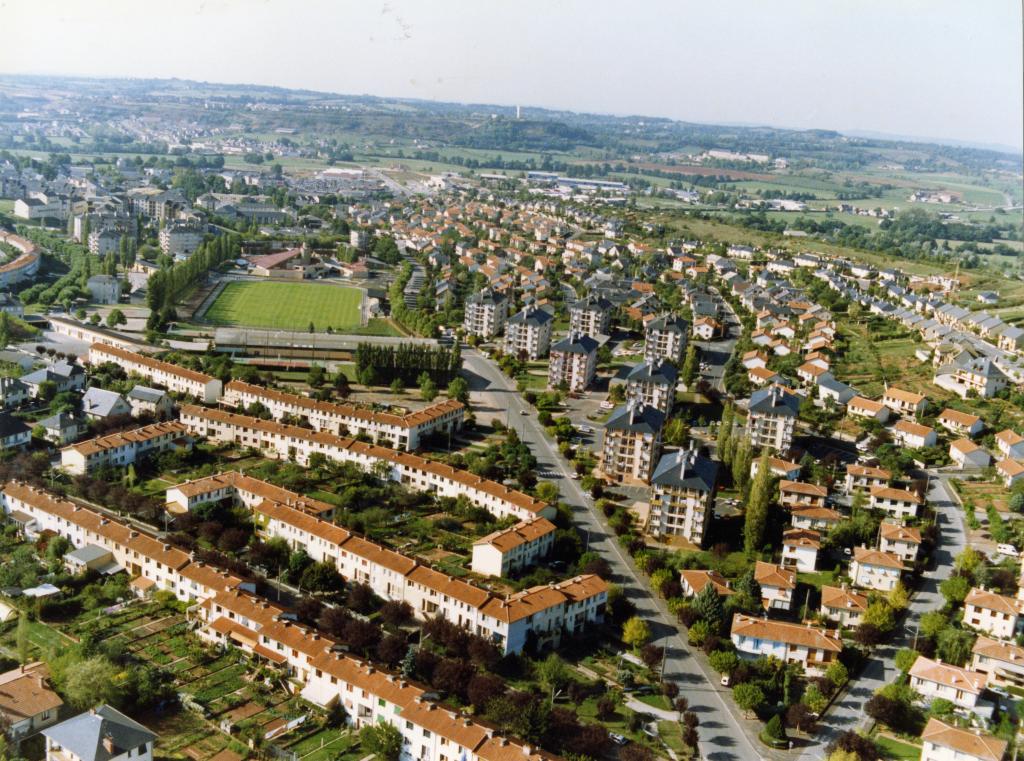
(1007, 549)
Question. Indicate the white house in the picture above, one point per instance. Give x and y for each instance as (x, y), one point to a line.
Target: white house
(864, 477)
(1010, 444)
(843, 606)
(946, 742)
(904, 402)
(969, 454)
(993, 613)
(1002, 662)
(874, 569)
(27, 701)
(896, 539)
(861, 407)
(960, 423)
(899, 503)
(935, 679)
(777, 585)
(513, 548)
(815, 649)
(800, 549)
(1010, 471)
(913, 435)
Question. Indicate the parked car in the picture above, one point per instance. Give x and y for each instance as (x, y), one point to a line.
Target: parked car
(1007, 549)
(617, 738)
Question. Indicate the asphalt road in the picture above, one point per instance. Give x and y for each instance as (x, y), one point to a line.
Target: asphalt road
(723, 738)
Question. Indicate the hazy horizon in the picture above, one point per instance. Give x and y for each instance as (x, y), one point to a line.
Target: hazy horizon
(917, 70)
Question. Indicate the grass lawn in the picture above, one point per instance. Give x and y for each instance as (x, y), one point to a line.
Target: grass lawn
(896, 750)
(817, 579)
(287, 306)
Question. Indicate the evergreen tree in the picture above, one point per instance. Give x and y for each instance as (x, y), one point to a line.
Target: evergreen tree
(725, 434)
(757, 508)
(741, 462)
(708, 605)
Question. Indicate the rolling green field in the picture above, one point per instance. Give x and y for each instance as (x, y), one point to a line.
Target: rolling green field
(287, 306)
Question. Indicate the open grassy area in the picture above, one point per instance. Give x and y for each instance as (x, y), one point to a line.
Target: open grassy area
(896, 750)
(287, 306)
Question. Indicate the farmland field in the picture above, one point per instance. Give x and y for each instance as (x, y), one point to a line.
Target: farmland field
(287, 306)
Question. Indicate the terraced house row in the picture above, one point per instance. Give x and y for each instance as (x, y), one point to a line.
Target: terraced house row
(154, 564)
(230, 614)
(173, 377)
(293, 442)
(430, 732)
(398, 431)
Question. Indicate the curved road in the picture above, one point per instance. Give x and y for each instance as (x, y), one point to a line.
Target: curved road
(723, 737)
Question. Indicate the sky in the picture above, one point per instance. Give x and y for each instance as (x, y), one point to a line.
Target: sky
(945, 69)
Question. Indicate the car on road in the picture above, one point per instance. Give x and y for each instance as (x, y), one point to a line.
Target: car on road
(585, 429)
(524, 412)
(574, 476)
(1007, 549)
(725, 680)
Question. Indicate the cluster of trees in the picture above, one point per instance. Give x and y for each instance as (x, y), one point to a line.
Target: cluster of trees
(407, 362)
(167, 285)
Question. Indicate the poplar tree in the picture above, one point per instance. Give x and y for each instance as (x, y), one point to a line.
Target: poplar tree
(757, 507)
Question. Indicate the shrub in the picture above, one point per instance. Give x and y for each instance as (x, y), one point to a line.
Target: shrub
(774, 734)
(724, 661)
(699, 631)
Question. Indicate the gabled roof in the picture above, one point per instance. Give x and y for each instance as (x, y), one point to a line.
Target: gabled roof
(949, 675)
(846, 599)
(698, 579)
(980, 597)
(772, 575)
(790, 634)
(25, 692)
(897, 533)
(661, 372)
(973, 743)
(867, 556)
(801, 487)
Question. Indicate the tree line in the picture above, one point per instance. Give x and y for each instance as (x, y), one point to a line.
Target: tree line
(379, 364)
(166, 286)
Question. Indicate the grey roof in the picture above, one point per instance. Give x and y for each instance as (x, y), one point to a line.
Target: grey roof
(100, 402)
(685, 469)
(775, 401)
(57, 371)
(592, 303)
(531, 315)
(670, 323)
(84, 734)
(11, 426)
(486, 296)
(60, 421)
(636, 418)
(577, 343)
(88, 554)
(146, 394)
(662, 372)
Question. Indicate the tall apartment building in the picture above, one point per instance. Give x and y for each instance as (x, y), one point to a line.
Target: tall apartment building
(486, 313)
(528, 333)
(683, 495)
(573, 362)
(181, 238)
(653, 383)
(771, 418)
(591, 316)
(632, 442)
(666, 339)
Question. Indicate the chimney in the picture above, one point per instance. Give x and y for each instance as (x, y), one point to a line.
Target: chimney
(527, 750)
(108, 744)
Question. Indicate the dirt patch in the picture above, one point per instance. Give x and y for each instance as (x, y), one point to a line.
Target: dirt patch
(244, 711)
(437, 555)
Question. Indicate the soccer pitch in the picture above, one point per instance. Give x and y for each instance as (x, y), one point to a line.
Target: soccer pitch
(287, 306)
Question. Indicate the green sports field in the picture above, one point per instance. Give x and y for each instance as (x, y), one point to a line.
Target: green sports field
(287, 306)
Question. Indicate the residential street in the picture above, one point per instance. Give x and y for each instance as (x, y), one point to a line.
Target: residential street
(724, 736)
